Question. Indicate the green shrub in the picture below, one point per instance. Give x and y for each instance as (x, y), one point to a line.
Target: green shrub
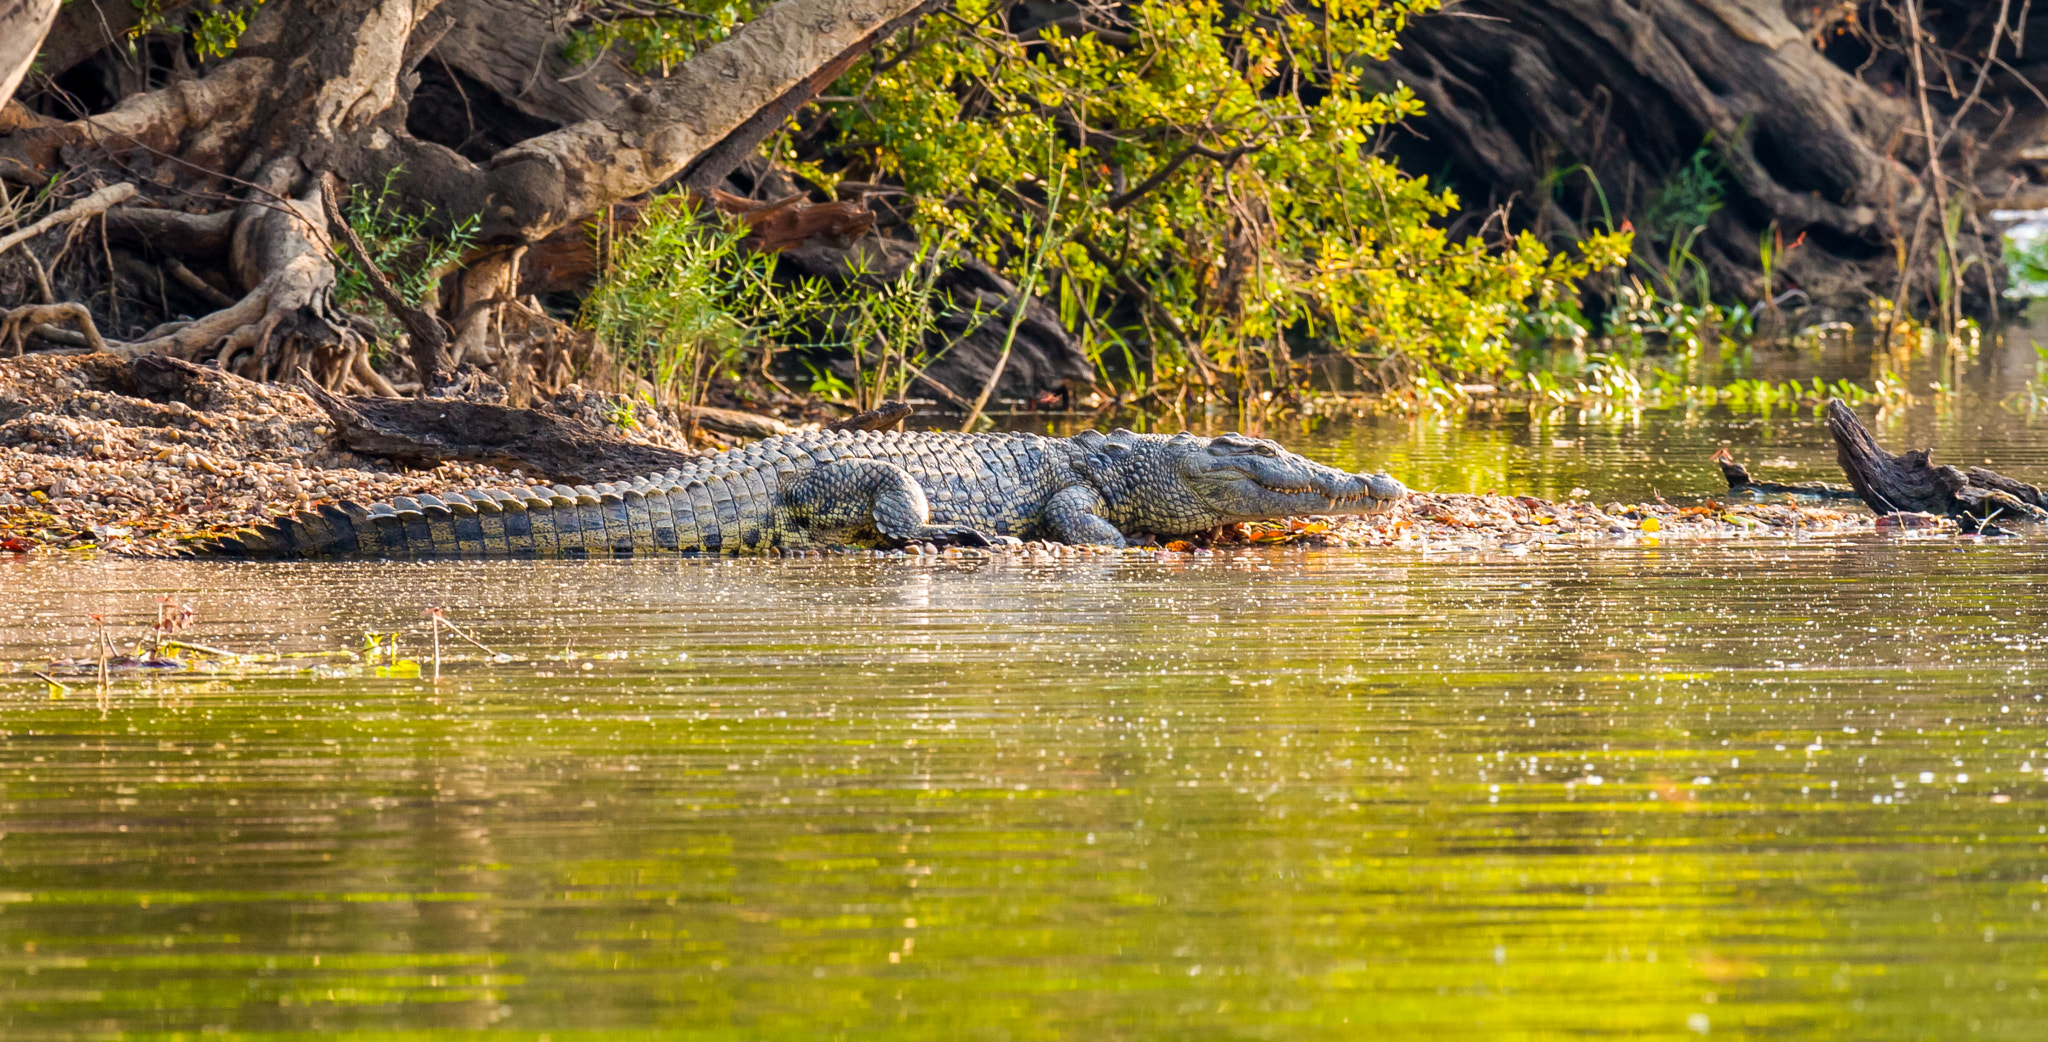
(682, 302)
(1223, 171)
(401, 246)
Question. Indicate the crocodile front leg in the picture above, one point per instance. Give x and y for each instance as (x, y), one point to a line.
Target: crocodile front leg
(1071, 513)
(866, 493)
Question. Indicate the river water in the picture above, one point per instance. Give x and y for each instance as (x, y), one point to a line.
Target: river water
(1762, 788)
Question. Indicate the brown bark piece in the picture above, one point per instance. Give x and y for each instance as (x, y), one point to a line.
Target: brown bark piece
(1912, 483)
(790, 222)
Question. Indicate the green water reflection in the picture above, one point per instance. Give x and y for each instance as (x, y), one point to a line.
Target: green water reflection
(1770, 788)
(1984, 411)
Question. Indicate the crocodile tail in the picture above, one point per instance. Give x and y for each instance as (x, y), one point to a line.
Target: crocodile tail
(449, 525)
(329, 530)
(495, 522)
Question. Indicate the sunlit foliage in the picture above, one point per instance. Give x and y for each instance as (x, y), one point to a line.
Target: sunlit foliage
(1226, 182)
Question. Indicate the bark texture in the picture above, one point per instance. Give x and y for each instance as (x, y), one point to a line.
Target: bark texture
(1573, 112)
(23, 24)
(318, 89)
(1913, 483)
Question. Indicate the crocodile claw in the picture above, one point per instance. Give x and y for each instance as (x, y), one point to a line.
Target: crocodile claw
(952, 535)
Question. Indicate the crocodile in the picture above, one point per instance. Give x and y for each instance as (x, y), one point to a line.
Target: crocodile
(823, 488)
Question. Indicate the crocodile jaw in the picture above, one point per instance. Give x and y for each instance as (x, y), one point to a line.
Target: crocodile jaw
(1246, 479)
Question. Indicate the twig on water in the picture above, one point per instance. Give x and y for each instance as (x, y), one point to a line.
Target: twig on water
(203, 649)
(442, 618)
(102, 647)
(435, 614)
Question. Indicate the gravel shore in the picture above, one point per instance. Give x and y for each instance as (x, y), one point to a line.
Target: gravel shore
(86, 461)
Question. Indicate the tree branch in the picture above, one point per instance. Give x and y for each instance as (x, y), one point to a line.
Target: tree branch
(1222, 159)
(91, 206)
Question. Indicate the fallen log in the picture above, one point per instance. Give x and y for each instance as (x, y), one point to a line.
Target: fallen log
(561, 448)
(1912, 483)
(1740, 483)
(880, 418)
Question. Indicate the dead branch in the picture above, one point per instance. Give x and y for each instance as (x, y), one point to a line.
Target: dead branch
(433, 430)
(1740, 483)
(1912, 483)
(91, 206)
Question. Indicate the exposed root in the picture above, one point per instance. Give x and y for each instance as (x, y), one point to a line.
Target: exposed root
(190, 280)
(173, 231)
(17, 322)
(284, 322)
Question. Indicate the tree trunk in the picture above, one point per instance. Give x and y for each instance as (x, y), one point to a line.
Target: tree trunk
(324, 86)
(23, 24)
(1577, 113)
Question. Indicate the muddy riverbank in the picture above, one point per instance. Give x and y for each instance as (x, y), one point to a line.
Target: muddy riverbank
(89, 459)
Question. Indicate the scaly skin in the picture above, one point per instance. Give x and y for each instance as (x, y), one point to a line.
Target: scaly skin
(820, 488)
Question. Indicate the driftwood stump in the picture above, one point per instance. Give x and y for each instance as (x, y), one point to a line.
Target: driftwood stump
(1912, 483)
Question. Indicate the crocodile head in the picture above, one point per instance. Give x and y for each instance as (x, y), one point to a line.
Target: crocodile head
(1189, 483)
(1245, 479)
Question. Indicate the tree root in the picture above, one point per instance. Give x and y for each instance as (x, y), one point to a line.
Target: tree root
(283, 323)
(19, 321)
(190, 234)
